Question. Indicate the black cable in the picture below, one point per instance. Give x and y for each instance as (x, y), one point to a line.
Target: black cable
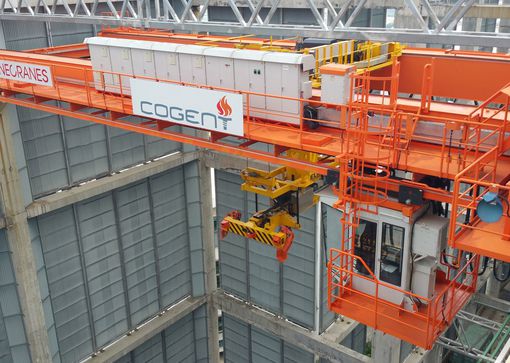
(484, 267)
(494, 272)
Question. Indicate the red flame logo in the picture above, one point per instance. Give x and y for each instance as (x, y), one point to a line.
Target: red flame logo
(223, 107)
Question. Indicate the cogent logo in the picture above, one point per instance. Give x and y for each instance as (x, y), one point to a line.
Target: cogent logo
(192, 116)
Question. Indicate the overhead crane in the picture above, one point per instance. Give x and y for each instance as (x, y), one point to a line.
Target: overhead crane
(413, 144)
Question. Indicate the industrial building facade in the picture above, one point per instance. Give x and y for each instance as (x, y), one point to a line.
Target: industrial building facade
(108, 250)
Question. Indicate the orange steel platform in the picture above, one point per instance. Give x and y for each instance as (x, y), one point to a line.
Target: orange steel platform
(420, 325)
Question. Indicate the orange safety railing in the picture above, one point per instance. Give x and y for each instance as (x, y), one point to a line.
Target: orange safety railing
(421, 322)
(480, 177)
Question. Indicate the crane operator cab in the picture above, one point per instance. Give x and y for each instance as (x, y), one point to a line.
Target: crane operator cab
(401, 249)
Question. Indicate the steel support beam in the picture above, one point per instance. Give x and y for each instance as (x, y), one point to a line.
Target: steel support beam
(286, 30)
(291, 333)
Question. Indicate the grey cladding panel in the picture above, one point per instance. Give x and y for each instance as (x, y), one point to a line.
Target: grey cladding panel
(299, 272)
(45, 293)
(104, 274)
(331, 232)
(149, 352)
(236, 336)
(66, 283)
(12, 319)
(86, 148)
(5, 352)
(29, 36)
(184, 341)
(201, 335)
(265, 348)
(245, 343)
(138, 251)
(281, 288)
(157, 147)
(44, 150)
(293, 354)
(233, 265)
(169, 213)
(180, 341)
(127, 148)
(68, 33)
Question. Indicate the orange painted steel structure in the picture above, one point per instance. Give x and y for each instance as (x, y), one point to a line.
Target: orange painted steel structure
(379, 132)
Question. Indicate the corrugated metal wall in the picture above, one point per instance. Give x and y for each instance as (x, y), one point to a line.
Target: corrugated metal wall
(13, 342)
(245, 343)
(117, 259)
(250, 270)
(185, 341)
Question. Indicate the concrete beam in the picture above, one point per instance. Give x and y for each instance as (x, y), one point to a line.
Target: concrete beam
(285, 330)
(339, 330)
(155, 326)
(492, 302)
(106, 184)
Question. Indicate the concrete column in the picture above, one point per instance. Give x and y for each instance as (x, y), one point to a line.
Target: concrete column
(20, 245)
(434, 355)
(209, 258)
(493, 287)
(385, 348)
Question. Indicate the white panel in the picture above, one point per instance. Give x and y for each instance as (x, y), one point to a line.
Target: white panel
(273, 86)
(250, 76)
(100, 58)
(291, 87)
(167, 65)
(143, 62)
(121, 63)
(220, 72)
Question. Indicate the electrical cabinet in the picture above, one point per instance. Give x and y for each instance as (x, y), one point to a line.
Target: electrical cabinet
(100, 57)
(250, 76)
(192, 64)
(120, 53)
(430, 236)
(143, 60)
(279, 75)
(336, 83)
(220, 67)
(287, 77)
(424, 277)
(166, 61)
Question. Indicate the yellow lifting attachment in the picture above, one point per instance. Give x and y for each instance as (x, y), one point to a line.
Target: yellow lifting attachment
(290, 192)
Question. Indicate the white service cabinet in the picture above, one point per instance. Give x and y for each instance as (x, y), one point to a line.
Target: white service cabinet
(220, 67)
(100, 57)
(192, 64)
(278, 74)
(250, 76)
(120, 53)
(287, 76)
(143, 59)
(166, 61)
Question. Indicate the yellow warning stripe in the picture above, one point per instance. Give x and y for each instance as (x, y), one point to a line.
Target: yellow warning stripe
(258, 235)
